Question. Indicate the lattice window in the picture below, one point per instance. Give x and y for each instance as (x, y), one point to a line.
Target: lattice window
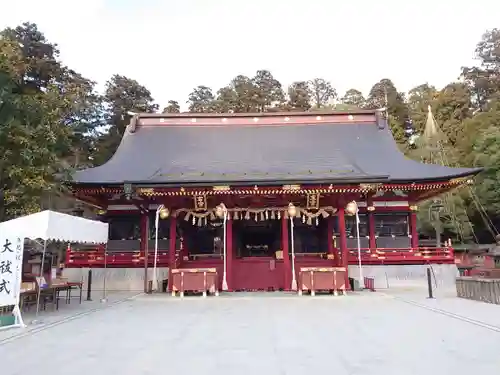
(124, 227)
(393, 224)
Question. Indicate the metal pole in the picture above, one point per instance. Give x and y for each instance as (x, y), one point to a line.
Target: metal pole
(157, 223)
(40, 280)
(429, 283)
(89, 285)
(224, 277)
(292, 242)
(105, 273)
(359, 251)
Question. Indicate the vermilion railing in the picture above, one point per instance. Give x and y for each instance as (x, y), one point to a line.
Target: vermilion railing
(401, 255)
(97, 258)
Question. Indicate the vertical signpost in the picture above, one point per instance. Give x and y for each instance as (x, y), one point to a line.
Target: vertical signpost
(11, 263)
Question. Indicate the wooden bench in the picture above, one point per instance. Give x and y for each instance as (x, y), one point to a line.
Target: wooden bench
(315, 279)
(196, 280)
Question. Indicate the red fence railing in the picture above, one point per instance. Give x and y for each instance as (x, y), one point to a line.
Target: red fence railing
(97, 258)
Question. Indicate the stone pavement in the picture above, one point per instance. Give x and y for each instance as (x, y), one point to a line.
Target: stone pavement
(65, 312)
(363, 333)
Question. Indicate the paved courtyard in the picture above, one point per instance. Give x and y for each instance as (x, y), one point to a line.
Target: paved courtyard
(365, 333)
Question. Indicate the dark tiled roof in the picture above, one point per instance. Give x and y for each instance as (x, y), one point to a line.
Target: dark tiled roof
(303, 153)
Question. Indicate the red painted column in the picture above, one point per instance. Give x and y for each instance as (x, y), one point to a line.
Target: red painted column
(413, 229)
(286, 255)
(329, 238)
(229, 254)
(371, 231)
(372, 241)
(343, 244)
(144, 247)
(172, 242)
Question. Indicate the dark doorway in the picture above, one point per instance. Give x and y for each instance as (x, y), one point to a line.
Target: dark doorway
(257, 238)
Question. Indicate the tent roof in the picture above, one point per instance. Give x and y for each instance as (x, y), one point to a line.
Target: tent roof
(50, 225)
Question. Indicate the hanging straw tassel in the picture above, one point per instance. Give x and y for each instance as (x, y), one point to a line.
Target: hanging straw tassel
(266, 215)
(303, 218)
(200, 222)
(236, 215)
(273, 215)
(256, 215)
(309, 220)
(194, 220)
(279, 215)
(262, 216)
(317, 221)
(247, 215)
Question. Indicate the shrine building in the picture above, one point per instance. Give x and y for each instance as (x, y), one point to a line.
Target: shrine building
(229, 189)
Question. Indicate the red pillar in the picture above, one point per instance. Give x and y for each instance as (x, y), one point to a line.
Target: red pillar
(372, 242)
(229, 254)
(329, 238)
(413, 230)
(343, 244)
(144, 248)
(286, 255)
(371, 231)
(172, 242)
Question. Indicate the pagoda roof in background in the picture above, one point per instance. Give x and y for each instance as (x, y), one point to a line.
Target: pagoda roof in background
(263, 148)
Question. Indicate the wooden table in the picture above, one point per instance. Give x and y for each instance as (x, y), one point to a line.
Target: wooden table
(50, 294)
(315, 279)
(197, 280)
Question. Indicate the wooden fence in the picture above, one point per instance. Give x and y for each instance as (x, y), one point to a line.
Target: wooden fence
(479, 289)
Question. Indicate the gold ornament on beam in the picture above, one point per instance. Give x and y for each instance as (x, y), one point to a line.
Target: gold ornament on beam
(312, 201)
(200, 202)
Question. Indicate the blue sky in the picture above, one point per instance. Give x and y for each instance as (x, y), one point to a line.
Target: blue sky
(171, 46)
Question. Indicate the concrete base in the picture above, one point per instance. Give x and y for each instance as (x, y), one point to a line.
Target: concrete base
(393, 276)
(117, 279)
(386, 276)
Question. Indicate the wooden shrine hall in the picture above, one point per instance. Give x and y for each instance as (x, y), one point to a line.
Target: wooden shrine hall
(268, 201)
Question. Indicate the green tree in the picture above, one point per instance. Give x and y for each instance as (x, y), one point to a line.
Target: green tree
(384, 94)
(201, 100)
(487, 154)
(483, 81)
(354, 98)
(41, 65)
(172, 107)
(123, 97)
(226, 100)
(246, 94)
(322, 92)
(419, 98)
(452, 107)
(299, 97)
(46, 114)
(268, 90)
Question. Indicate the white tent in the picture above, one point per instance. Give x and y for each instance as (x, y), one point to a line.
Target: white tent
(46, 226)
(55, 226)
